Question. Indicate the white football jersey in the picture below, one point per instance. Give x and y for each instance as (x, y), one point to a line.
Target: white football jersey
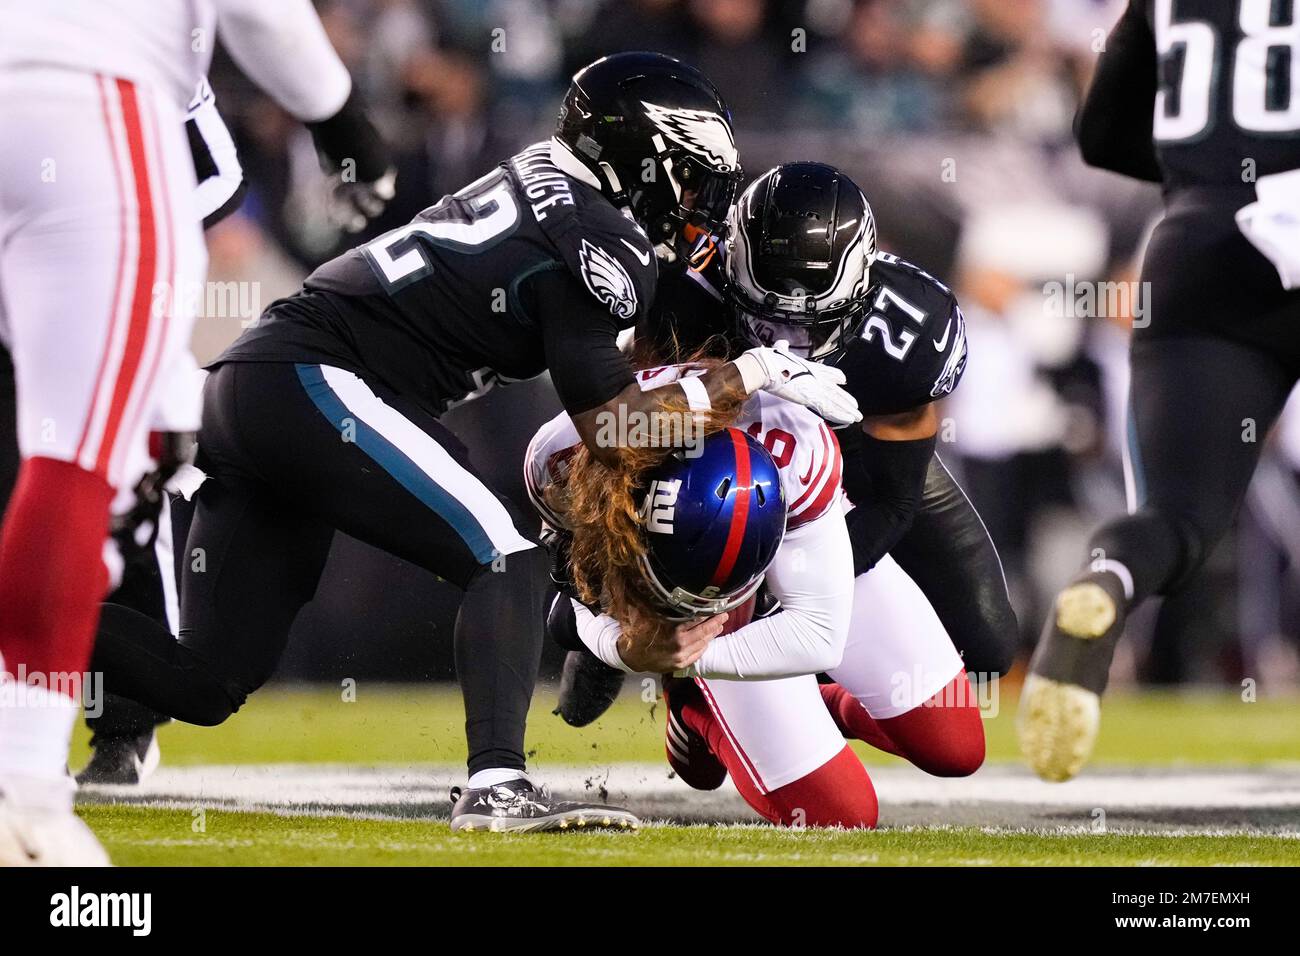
(163, 44)
(801, 443)
(168, 44)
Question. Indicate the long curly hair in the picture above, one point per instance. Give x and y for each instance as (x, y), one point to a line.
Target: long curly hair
(600, 503)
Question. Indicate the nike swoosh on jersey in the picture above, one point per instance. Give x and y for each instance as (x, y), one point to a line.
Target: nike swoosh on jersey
(941, 344)
(642, 257)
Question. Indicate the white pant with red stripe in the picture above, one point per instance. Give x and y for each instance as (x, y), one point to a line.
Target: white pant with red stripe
(898, 656)
(97, 227)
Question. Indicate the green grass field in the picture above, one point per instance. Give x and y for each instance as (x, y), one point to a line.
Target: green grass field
(397, 724)
(390, 725)
(141, 837)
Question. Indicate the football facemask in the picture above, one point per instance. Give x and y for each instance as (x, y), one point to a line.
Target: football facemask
(811, 336)
(697, 211)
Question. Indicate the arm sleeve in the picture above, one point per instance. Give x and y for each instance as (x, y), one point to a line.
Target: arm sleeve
(885, 480)
(950, 556)
(600, 633)
(220, 176)
(1114, 124)
(812, 578)
(581, 341)
(282, 47)
(349, 134)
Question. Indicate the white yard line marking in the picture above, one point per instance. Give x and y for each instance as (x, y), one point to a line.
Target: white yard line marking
(1178, 801)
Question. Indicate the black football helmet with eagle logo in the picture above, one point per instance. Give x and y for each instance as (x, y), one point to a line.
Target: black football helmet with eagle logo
(655, 137)
(800, 248)
(801, 264)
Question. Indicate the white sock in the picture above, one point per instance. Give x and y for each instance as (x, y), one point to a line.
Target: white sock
(35, 733)
(494, 776)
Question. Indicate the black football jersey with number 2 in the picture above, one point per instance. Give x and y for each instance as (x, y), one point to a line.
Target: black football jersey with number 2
(441, 309)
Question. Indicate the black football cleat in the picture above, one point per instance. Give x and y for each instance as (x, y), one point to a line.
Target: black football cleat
(588, 688)
(520, 806)
(688, 753)
(1060, 704)
(123, 760)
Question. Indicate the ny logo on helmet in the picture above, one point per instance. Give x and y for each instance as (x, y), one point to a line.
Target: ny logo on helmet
(660, 505)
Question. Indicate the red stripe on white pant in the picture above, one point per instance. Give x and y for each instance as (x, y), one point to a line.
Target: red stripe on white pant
(163, 303)
(118, 373)
(726, 729)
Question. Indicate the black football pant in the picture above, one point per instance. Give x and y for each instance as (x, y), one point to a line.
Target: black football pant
(293, 453)
(1201, 408)
(1212, 366)
(948, 553)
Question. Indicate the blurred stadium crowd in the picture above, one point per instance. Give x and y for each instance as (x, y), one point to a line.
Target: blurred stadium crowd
(955, 118)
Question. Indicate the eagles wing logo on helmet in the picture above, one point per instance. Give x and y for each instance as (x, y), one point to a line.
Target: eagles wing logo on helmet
(704, 133)
(607, 280)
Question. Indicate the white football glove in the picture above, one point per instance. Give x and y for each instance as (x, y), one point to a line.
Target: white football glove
(797, 380)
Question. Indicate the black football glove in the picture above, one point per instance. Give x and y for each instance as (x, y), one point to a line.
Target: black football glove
(138, 527)
(363, 178)
(557, 544)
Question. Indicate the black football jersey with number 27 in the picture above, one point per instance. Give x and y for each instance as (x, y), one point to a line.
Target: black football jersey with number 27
(442, 308)
(911, 347)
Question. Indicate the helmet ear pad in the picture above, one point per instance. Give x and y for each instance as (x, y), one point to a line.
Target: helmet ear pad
(713, 517)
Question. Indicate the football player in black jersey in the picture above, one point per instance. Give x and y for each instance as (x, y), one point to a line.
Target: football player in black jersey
(1198, 95)
(325, 415)
(800, 265)
(898, 334)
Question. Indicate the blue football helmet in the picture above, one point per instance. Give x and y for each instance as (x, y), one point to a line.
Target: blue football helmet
(713, 519)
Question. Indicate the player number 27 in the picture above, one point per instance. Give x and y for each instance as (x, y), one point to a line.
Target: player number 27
(896, 345)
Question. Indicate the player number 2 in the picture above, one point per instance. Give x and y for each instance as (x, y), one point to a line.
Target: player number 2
(397, 256)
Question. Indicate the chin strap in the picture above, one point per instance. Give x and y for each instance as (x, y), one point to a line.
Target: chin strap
(665, 252)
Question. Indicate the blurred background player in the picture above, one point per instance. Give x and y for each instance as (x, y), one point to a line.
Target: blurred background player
(1199, 96)
(99, 180)
(150, 537)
